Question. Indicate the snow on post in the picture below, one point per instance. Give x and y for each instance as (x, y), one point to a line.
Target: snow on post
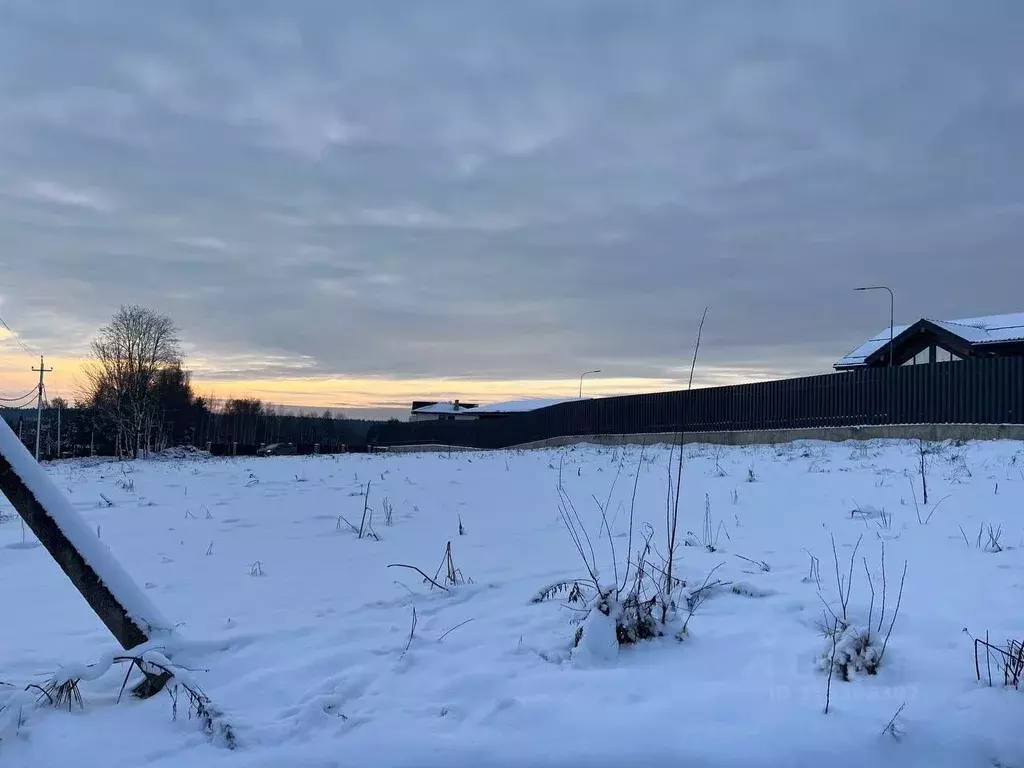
(126, 611)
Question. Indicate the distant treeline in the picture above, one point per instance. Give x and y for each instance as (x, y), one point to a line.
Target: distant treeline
(138, 399)
(232, 427)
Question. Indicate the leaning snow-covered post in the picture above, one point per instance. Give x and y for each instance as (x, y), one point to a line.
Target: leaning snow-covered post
(126, 611)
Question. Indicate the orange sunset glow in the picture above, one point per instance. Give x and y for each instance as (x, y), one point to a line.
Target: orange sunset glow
(363, 392)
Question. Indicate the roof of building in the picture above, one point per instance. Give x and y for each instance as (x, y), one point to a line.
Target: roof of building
(445, 408)
(522, 406)
(994, 329)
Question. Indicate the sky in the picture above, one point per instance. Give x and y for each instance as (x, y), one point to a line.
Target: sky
(358, 204)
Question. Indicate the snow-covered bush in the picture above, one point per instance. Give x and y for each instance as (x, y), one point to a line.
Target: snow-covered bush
(609, 624)
(850, 650)
(62, 690)
(636, 605)
(635, 620)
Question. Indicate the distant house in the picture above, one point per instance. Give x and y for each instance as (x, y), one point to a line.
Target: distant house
(499, 410)
(425, 410)
(456, 411)
(938, 341)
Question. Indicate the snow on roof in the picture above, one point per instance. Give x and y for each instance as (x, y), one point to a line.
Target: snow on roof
(445, 408)
(870, 346)
(994, 329)
(998, 328)
(522, 406)
(970, 333)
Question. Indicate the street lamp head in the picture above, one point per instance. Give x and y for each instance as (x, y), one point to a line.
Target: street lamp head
(586, 373)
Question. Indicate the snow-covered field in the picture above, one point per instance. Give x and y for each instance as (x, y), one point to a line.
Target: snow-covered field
(299, 631)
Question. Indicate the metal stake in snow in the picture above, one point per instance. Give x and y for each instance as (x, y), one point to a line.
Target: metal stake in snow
(126, 611)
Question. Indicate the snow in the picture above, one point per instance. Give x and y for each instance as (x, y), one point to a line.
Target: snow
(993, 329)
(509, 406)
(312, 662)
(444, 408)
(871, 346)
(521, 406)
(997, 328)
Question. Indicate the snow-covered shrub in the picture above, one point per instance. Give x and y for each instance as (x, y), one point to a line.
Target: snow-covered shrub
(639, 602)
(635, 620)
(609, 623)
(572, 588)
(181, 453)
(850, 650)
(597, 636)
(63, 690)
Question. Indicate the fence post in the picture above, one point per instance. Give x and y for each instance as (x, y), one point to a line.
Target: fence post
(108, 589)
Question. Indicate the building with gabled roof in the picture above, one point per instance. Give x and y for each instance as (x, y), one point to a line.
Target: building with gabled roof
(427, 410)
(938, 341)
(456, 411)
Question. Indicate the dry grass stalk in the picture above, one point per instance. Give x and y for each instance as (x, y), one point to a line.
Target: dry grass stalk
(412, 630)
(1009, 660)
(453, 576)
(892, 727)
(448, 632)
(421, 573)
(832, 664)
(64, 694)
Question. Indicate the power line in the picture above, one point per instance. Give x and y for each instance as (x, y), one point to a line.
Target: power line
(30, 393)
(22, 404)
(16, 337)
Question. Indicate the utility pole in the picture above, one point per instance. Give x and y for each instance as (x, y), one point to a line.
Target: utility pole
(58, 428)
(39, 403)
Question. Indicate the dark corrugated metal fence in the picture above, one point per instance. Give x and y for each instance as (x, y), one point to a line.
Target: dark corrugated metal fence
(976, 391)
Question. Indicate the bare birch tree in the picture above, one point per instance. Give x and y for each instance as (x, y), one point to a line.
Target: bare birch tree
(127, 359)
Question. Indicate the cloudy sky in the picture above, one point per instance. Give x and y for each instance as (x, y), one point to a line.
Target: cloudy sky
(356, 203)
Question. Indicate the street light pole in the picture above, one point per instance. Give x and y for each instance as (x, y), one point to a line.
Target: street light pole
(586, 373)
(892, 310)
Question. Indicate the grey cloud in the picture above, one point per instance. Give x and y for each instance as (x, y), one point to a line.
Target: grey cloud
(510, 189)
